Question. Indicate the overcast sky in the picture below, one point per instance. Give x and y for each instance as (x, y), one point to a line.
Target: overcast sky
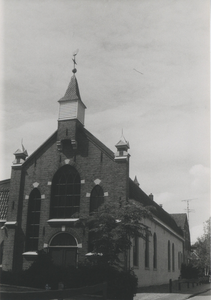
(143, 66)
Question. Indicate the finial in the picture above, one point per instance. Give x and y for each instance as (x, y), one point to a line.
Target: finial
(122, 137)
(74, 61)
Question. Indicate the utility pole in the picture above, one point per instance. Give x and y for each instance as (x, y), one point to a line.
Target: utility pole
(188, 206)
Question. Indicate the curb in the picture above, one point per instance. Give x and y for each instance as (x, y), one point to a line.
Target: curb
(198, 293)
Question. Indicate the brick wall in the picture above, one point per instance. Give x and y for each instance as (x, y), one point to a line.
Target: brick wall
(91, 161)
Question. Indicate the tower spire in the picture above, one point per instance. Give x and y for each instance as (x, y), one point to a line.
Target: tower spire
(70, 105)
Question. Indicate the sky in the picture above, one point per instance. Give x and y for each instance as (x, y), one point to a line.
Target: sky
(142, 67)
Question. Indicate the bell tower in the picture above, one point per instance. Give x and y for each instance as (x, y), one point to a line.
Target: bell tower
(71, 112)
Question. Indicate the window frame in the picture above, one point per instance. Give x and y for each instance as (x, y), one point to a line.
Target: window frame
(33, 220)
(65, 193)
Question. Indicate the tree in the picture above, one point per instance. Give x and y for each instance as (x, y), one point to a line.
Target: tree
(201, 258)
(112, 228)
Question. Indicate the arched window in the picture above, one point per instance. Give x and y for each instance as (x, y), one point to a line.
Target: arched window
(154, 251)
(63, 250)
(147, 250)
(173, 267)
(169, 256)
(33, 220)
(135, 251)
(1, 251)
(65, 193)
(96, 198)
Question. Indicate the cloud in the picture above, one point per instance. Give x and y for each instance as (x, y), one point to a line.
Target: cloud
(200, 179)
(196, 232)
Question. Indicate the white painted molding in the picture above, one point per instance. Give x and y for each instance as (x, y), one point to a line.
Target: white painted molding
(62, 220)
(97, 181)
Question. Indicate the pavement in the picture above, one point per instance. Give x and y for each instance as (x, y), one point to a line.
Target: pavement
(160, 292)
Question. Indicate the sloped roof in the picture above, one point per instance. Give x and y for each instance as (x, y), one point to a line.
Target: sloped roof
(4, 197)
(98, 143)
(180, 219)
(72, 92)
(137, 194)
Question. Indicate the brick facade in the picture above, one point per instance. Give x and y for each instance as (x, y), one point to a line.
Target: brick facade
(72, 145)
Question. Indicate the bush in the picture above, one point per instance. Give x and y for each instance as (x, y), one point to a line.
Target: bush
(121, 284)
(189, 271)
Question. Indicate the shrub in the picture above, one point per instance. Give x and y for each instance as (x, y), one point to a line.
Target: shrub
(121, 284)
(189, 271)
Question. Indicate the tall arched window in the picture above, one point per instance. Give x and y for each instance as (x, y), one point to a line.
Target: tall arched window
(147, 250)
(63, 250)
(96, 198)
(135, 251)
(173, 264)
(169, 256)
(33, 220)
(65, 193)
(154, 251)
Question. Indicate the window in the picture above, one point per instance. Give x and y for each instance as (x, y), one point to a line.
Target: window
(169, 256)
(147, 250)
(65, 193)
(154, 251)
(96, 198)
(1, 251)
(135, 252)
(179, 260)
(33, 220)
(173, 257)
(63, 250)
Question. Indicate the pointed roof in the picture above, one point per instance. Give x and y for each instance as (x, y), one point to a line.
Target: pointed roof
(180, 219)
(19, 152)
(72, 92)
(122, 142)
(136, 181)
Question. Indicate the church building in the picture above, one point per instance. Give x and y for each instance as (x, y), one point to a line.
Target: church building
(70, 175)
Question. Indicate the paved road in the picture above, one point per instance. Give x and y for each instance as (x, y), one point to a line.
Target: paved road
(204, 296)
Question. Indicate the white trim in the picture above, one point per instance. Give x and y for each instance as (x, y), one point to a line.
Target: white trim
(11, 223)
(93, 254)
(30, 253)
(35, 184)
(97, 181)
(62, 220)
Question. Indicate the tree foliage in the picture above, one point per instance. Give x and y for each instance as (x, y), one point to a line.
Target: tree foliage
(201, 258)
(112, 228)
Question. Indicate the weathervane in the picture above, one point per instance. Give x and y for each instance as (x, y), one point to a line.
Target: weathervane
(74, 61)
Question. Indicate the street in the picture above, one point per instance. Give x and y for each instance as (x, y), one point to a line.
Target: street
(204, 296)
